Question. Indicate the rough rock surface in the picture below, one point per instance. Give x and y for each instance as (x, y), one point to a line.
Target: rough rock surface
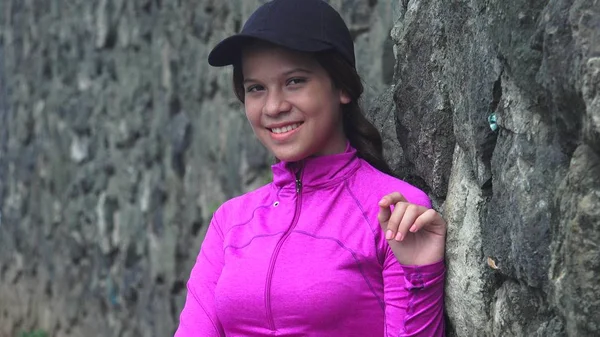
(521, 196)
(117, 142)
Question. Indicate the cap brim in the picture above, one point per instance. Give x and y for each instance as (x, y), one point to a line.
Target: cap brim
(229, 51)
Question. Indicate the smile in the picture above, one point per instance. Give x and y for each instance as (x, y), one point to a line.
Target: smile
(285, 129)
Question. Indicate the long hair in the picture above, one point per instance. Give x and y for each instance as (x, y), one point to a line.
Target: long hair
(363, 136)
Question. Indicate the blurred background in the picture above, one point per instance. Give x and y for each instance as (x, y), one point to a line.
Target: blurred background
(118, 141)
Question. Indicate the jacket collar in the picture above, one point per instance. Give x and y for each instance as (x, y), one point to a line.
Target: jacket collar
(316, 172)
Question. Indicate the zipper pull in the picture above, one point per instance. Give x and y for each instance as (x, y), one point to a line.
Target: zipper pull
(298, 179)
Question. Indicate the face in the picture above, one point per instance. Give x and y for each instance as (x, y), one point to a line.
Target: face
(292, 104)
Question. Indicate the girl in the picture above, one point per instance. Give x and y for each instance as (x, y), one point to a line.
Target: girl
(334, 246)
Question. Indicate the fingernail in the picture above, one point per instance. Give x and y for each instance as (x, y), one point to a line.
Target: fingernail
(382, 201)
(413, 228)
(399, 236)
(389, 235)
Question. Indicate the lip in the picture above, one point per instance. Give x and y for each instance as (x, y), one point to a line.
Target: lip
(281, 137)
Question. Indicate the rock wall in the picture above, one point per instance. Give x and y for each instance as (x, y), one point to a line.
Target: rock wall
(498, 111)
(117, 141)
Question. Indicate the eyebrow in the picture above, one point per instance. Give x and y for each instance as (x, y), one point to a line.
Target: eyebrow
(297, 70)
(287, 73)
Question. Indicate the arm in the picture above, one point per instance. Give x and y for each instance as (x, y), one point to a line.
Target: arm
(198, 317)
(413, 269)
(414, 298)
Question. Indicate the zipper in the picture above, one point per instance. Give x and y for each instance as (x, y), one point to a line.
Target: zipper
(270, 319)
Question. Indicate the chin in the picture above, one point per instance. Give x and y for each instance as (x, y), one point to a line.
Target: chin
(290, 156)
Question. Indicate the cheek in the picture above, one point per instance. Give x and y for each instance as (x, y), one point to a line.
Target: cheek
(252, 113)
(329, 103)
(330, 109)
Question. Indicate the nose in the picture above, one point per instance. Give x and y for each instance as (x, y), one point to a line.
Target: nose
(276, 103)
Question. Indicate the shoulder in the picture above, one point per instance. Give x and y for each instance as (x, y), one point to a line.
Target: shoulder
(373, 184)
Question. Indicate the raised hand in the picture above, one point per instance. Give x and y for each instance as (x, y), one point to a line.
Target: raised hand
(416, 234)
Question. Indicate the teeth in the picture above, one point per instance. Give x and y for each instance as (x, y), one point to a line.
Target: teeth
(285, 128)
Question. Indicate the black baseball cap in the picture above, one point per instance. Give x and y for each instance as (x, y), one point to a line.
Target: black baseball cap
(301, 25)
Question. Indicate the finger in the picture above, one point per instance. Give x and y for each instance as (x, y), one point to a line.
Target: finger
(384, 215)
(391, 199)
(429, 218)
(397, 214)
(395, 218)
(411, 214)
(384, 207)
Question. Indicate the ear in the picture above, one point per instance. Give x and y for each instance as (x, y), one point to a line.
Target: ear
(344, 97)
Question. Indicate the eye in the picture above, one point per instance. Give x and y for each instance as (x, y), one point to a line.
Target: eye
(296, 80)
(254, 88)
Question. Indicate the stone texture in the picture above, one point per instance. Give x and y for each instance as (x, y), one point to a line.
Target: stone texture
(383, 115)
(575, 264)
(118, 141)
(467, 268)
(511, 271)
(425, 126)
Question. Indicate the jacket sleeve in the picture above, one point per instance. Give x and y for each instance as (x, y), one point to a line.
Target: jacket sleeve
(198, 317)
(414, 298)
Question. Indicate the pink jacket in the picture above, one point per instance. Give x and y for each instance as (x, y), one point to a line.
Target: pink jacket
(306, 256)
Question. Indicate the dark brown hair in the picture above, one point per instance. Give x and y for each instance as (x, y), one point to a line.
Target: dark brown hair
(363, 136)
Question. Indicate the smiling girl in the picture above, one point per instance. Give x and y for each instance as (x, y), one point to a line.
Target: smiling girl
(334, 246)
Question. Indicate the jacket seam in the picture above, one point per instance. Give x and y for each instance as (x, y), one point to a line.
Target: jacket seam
(356, 260)
(359, 205)
(414, 291)
(253, 213)
(212, 322)
(252, 239)
(247, 221)
(217, 226)
(380, 258)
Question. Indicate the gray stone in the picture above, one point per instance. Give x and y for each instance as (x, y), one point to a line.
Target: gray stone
(469, 279)
(532, 65)
(425, 126)
(522, 311)
(118, 142)
(383, 117)
(575, 265)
